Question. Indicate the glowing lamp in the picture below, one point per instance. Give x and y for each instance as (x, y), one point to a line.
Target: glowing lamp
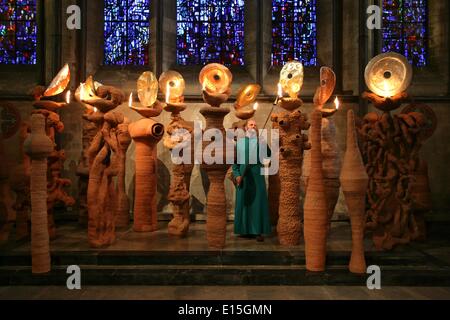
(388, 74)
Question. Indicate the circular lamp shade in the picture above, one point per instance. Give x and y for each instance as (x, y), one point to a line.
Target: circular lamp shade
(147, 88)
(215, 78)
(388, 74)
(291, 78)
(247, 95)
(173, 81)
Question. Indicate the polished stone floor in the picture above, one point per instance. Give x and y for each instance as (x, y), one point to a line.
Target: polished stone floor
(72, 237)
(72, 240)
(224, 293)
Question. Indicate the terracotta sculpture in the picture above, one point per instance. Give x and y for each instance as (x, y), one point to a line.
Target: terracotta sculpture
(20, 183)
(330, 150)
(290, 124)
(48, 108)
(146, 134)
(6, 202)
(216, 80)
(122, 210)
(420, 184)
(391, 152)
(179, 132)
(316, 206)
(105, 161)
(354, 182)
(90, 130)
(39, 146)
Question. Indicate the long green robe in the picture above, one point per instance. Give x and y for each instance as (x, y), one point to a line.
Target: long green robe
(252, 207)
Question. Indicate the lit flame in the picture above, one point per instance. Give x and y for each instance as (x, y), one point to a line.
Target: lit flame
(280, 90)
(95, 109)
(256, 106)
(130, 100)
(337, 103)
(68, 97)
(168, 92)
(82, 92)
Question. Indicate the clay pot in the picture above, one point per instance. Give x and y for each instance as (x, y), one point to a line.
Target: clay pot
(316, 206)
(354, 181)
(38, 146)
(146, 134)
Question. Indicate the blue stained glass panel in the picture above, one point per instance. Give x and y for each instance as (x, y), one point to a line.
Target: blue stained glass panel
(405, 29)
(210, 31)
(18, 32)
(127, 32)
(294, 32)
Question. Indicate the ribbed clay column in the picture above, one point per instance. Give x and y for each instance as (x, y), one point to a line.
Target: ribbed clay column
(146, 134)
(216, 219)
(39, 146)
(354, 181)
(316, 207)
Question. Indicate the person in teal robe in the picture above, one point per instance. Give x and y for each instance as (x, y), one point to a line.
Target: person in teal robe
(252, 207)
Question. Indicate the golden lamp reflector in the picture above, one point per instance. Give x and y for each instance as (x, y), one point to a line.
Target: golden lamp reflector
(147, 88)
(59, 83)
(291, 78)
(388, 74)
(247, 95)
(215, 78)
(173, 81)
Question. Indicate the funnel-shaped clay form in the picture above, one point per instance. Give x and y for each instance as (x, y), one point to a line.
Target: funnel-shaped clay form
(354, 181)
(316, 207)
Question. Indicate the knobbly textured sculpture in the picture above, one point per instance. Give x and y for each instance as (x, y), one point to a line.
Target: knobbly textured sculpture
(330, 150)
(146, 134)
(180, 135)
(54, 126)
(316, 206)
(391, 152)
(90, 130)
(104, 158)
(354, 181)
(39, 146)
(293, 143)
(216, 80)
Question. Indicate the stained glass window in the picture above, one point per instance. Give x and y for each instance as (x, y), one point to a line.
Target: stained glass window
(127, 32)
(294, 32)
(405, 29)
(18, 32)
(210, 31)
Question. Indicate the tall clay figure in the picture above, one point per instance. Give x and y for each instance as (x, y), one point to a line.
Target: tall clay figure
(179, 136)
(290, 123)
(146, 133)
(122, 209)
(39, 146)
(330, 150)
(216, 81)
(316, 206)
(354, 181)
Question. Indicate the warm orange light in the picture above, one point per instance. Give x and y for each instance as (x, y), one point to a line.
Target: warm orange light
(82, 92)
(337, 103)
(280, 90)
(130, 100)
(68, 97)
(168, 92)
